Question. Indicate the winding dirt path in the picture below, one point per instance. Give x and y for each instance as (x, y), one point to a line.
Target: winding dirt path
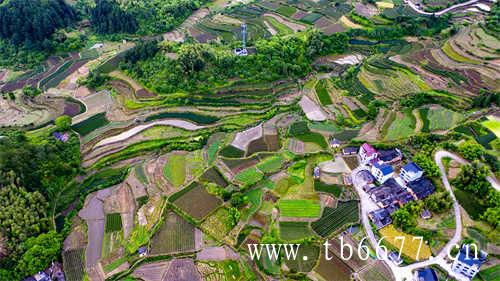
(418, 124)
(134, 131)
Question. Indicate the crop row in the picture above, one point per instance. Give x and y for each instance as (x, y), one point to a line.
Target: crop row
(333, 219)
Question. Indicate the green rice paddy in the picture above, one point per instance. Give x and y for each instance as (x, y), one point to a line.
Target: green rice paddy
(175, 169)
(299, 208)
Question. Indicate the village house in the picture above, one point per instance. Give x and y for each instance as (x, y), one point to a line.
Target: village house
(466, 263)
(335, 143)
(316, 172)
(421, 188)
(382, 172)
(350, 150)
(380, 218)
(390, 156)
(411, 172)
(367, 154)
(390, 195)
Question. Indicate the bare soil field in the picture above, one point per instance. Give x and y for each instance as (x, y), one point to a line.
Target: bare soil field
(242, 139)
(152, 271)
(182, 270)
(197, 193)
(312, 110)
(217, 254)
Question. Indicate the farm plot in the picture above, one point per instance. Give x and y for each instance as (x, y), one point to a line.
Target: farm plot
(402, 127)
(334, 269)
(334, 219)
(113, 235)
(175, 169)
(255, 200)
(299, 208)
(231, 152)
(242, 139)
(322, 93)
(440, 118)
(219, 224)
(376, 271)
(312, 110)
(189, 116)
(249, 176)
(300, 131)
(390, 83)
(278, 26)
(410, 246)
(271, 164)
(92, 123)
(295, 27)
(74, 266)
(285, 10)
(215, 176)
(195, 192)
(493, 124)
(333, 189)
(307, 257)
(292, 231)
(174, 236)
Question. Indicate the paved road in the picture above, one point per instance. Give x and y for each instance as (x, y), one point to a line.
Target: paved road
(367, 205)
(442, 12)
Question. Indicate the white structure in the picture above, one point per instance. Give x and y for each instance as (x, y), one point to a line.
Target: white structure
(367, 154)
(469, 261)
(382, 172)
(411, 172)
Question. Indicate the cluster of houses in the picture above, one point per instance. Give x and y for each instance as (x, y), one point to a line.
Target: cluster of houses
(388, 191)
(52, 273)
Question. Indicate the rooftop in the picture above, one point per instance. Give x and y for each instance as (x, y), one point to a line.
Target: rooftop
(422, 187)
(426, 274)
(350, 150)
(390, 155)
(384, 168)
(368, 149)
(468, 256)
(412, 167)
(380, 217)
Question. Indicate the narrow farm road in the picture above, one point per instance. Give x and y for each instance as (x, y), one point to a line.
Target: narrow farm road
(442, 12)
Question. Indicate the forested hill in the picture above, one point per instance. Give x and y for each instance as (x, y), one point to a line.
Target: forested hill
(32, 21)
(141, 16)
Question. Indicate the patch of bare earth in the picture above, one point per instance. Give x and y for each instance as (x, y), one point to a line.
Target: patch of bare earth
(152, 271)
(182, 270)
(292, 25)
(154, 172)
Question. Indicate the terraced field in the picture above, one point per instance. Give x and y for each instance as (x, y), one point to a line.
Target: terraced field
(334, 219)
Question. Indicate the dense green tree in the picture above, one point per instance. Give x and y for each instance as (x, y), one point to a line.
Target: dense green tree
(492, 216)
(31, 91)
(22, 214)
(427, 164)
(39, 252)
(238, 200)
(472, 178)
(30, 22)
(471, 150)
(43, 166)
(108, 17)
(439, 202)
(95, 79)
(493, 18)
(403, 219)
(63, 123)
